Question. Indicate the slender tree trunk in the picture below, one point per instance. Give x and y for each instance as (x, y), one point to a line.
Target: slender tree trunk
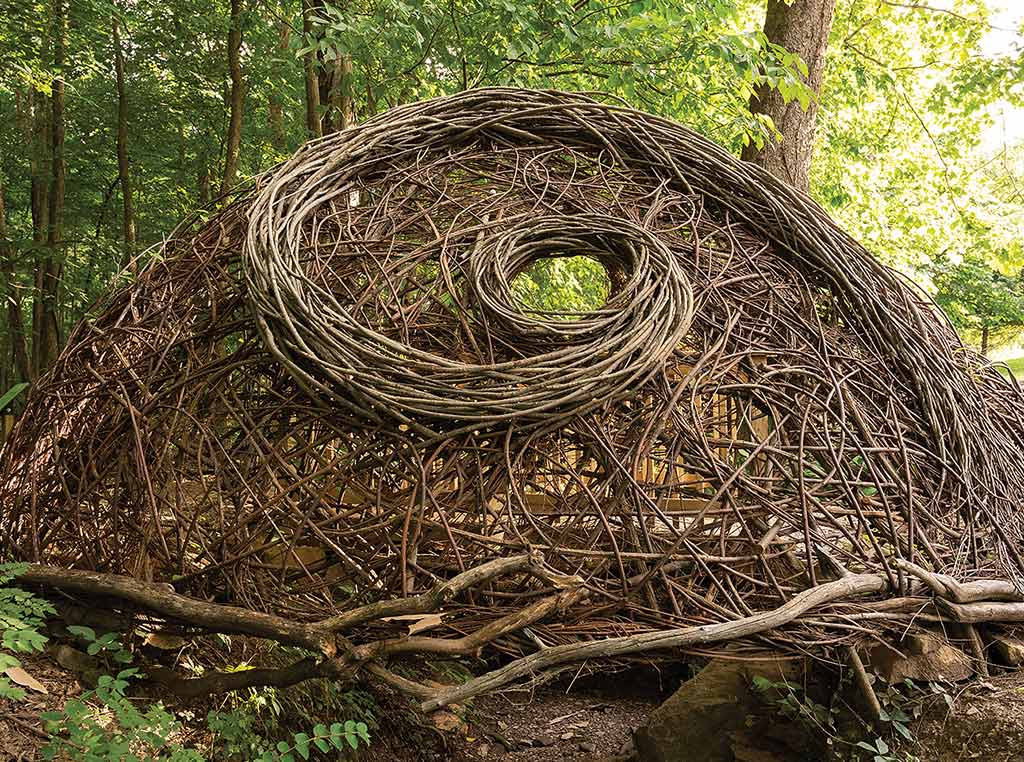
(312, 75)
(41, 173)
(12, 301)
(128, 208)
(50, 330)
(276, 103)
(371, 100)
(235, 123)
(803, 28)
(203, 183)
(984, 339)
(342, 102)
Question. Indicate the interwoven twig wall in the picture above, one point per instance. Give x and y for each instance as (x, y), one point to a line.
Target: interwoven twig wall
(328, 395)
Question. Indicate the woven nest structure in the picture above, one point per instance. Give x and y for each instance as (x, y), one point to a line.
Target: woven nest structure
(325, 406)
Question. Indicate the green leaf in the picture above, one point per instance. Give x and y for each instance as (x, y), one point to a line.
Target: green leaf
(338, 735)
(85, 633)
(10, 395)
(302, 745)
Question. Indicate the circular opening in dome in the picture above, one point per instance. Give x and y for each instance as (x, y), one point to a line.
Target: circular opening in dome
(563, 288)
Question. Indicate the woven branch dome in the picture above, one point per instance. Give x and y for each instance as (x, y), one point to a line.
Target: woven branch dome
(329, 393)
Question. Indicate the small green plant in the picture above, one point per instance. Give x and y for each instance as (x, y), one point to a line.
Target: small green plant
(236, 738)
(104, 725)
(108, 646)
(900, 705)
(22, 616)
(879, 749)
(792, 703)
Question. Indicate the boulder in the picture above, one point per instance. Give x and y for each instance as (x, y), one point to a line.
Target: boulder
(922, 657)
(718, 716)
(1008, 650)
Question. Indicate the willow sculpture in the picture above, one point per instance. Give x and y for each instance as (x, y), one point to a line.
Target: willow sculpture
(324, 410)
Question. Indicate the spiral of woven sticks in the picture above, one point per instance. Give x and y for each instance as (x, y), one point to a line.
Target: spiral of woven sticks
(326, 404)
(561, 368)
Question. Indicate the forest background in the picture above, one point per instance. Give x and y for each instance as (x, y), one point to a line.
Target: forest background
(119, 118)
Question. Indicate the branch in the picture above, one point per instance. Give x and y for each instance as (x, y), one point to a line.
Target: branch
(855, 584)
(474, 641)
(947, 588)
(160, 598)
(436, 598)
(222, 682)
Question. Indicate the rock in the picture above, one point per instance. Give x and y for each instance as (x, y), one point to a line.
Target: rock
(718, 712)
(743, 753)
(448, 722)
(587, 747)
(543, 740)
(1009, 651)
(567, 736)
(926, 658)
(86, 667)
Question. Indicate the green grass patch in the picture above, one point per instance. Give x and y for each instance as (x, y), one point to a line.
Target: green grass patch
(1016, 365)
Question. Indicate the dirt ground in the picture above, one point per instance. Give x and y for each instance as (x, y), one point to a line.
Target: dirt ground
(986, 722)
(589, 718)
(585, 720)
(21, 733)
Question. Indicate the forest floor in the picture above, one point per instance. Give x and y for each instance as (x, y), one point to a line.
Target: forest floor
(985, 722)
(585, 719)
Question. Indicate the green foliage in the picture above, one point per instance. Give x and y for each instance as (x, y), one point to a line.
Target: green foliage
(566, 285)
(22, 616)
(979, 298)
(11, 394)
(906, 158)
(107, 645)
(106, 724)
(683, 56)
(236, 738)
(900, 705)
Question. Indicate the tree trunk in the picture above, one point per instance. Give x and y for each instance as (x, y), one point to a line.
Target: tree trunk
(801, 28)
(41, 172)
(984, 339)
(128, 221)
(342, 101)
(50, 330)
(276, 104)
(12, 301)
(235, 123)
(203, 183)
(312, 68)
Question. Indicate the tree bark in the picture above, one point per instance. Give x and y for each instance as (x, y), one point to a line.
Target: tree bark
(49, 334)
(312, 75)
(801, 28)
(276, 104)
(342, 100)
(203, 184)
(235, 71)
(12, 301)
(128, 208)
(984, 340)
(41, 172)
